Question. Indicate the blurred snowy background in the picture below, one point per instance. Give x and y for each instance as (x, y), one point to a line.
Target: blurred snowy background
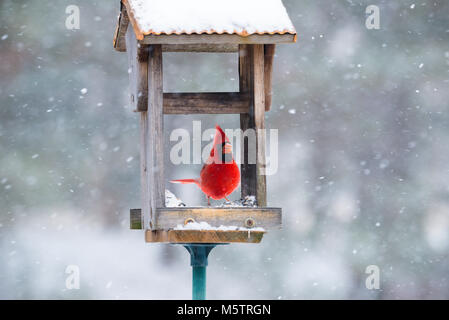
(364, 158)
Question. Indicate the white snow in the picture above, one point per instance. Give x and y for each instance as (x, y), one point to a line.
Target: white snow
(205, 226)
(211, 16)
(172, 201)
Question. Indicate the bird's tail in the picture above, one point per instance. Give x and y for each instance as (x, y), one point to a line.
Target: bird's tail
(186, 181)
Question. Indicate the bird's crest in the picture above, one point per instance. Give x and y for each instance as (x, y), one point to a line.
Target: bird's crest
(222, 149)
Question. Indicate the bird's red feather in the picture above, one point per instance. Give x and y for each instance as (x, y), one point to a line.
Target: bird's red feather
(217, 179)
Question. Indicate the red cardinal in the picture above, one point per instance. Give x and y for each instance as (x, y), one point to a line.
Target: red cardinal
(220, 175)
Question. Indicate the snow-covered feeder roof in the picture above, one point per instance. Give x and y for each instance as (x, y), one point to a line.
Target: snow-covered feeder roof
(250, 19)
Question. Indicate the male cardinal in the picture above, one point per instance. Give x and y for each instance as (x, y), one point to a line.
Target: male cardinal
(220, 175)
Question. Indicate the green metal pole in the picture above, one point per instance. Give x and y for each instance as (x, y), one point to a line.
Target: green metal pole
(198, 283)
(198, 261)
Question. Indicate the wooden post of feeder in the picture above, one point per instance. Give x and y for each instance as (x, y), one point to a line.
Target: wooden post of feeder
(153, 134)
(251, 73)
(146, 86)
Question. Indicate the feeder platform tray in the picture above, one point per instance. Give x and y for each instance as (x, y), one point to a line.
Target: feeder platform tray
(164, 228)
(203, 236)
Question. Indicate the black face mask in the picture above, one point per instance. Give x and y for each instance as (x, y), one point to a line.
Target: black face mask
(225, 157)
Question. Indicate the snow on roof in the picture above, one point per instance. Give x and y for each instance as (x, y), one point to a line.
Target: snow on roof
(243, 17)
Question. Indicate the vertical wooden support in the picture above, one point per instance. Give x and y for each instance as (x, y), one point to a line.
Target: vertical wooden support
(251, 72)
(248, 171)
(145, 196)
(138, 72)
(259, 119)
(269, 50)
(152, 144)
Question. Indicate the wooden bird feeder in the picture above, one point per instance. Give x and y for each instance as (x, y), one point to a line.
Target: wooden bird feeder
(146, 29)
